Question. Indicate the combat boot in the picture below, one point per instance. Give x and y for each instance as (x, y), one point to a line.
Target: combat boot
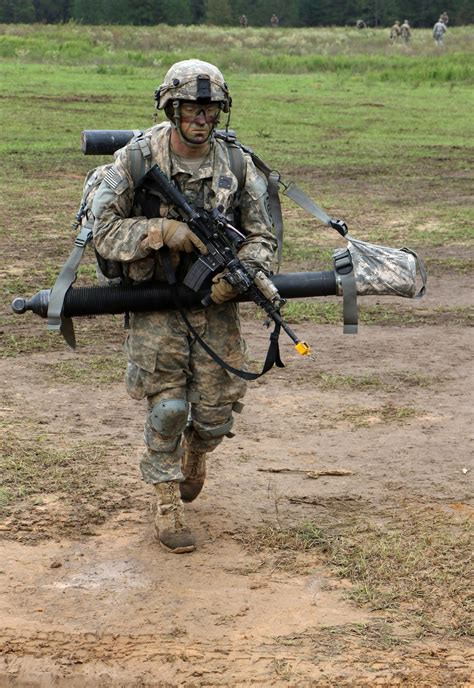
(170, 524)
(194, 471)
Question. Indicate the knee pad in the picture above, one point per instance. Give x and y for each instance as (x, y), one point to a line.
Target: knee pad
(168, 417)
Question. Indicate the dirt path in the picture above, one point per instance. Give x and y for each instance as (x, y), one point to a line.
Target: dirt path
(90, 600)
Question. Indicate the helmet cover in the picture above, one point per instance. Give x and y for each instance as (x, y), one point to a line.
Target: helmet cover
(193, 80)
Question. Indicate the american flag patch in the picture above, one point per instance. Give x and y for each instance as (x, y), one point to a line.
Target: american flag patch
(112, 178)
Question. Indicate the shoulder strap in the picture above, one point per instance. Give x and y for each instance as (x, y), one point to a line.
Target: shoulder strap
(237, 164)
(236, 160)
(140, 153)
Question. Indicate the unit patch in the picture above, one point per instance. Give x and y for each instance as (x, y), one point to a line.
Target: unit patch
(225, 182)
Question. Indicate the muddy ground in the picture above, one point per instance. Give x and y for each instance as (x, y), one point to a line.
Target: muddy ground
(90, 600)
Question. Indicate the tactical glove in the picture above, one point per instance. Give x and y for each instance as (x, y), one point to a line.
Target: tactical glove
(176, 235)
(221, 290)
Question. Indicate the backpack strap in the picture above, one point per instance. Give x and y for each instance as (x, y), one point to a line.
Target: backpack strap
(273, 179)
(140, 157)
(237, 164)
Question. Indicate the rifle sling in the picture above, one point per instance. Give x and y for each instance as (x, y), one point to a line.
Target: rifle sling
(273, 353)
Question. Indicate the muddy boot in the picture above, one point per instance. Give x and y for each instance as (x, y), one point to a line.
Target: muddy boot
(194, 471)
(170, 525)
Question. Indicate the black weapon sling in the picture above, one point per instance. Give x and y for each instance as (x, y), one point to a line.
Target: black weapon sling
(273, 353)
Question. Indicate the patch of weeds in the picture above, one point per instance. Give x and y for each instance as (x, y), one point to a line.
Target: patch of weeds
(300, 254)
(401, 378)
(89, 370)
(388, 381)
(34, 465)
(420, 569)
(15, 344)
(360, 416)
(377, 635)
(417, 569)
(398, 315)
(320, 313)
(49, 490)
(451, 265)
(328, 381)
(330, 313)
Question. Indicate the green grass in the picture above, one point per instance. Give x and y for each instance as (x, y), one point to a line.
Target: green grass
(290, 51)
(357, 123)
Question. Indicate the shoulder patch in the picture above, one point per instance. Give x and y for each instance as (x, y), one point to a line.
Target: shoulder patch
(115, 181)
(224, 182)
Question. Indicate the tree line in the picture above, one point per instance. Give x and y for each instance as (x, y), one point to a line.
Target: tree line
(420, 13)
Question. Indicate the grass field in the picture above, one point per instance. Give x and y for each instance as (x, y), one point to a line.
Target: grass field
(373, 131)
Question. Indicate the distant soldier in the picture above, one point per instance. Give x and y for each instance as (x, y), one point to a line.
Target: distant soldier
(395, 32)
(360, 24)
(274, 21)
(439, 29)
(444, 17)
(405, 31)
(243, 21)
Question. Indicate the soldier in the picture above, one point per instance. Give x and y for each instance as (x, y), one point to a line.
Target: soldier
(395, 32)
(190, 398)
(243, 21)
(360, 24)
(405, 31)
(439, 29)
(274, 21)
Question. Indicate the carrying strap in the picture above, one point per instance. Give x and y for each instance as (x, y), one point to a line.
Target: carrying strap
(273, 353)
(344, 269)
(67, 276)
(139, 154)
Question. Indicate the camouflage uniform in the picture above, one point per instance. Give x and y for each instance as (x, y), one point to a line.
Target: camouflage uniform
(165, 364)
(405, 31)
(395, 32)
(439, 29)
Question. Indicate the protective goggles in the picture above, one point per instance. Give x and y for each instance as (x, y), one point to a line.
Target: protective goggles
(190, 112)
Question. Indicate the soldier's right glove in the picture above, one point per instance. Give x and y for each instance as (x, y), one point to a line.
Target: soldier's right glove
(178, 237)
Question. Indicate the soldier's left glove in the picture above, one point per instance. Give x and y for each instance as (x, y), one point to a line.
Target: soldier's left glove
(221, 290)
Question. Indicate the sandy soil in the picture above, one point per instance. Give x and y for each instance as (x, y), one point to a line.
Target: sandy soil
(98, 604)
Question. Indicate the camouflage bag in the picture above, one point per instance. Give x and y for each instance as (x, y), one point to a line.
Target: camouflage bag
(364, 269)
(384, 271)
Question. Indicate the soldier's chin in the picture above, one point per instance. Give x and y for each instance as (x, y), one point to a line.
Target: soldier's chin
(198, 137)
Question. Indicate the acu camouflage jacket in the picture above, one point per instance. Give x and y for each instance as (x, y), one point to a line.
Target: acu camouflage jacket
(120, 225)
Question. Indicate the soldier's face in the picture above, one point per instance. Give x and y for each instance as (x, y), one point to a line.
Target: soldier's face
(198, 120)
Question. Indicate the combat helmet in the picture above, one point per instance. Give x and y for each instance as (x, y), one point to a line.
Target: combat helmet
(193, 80)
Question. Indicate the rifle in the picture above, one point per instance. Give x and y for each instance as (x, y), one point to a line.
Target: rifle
(222, 241)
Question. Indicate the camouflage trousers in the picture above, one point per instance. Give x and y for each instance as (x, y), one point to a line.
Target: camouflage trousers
(170, 369)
